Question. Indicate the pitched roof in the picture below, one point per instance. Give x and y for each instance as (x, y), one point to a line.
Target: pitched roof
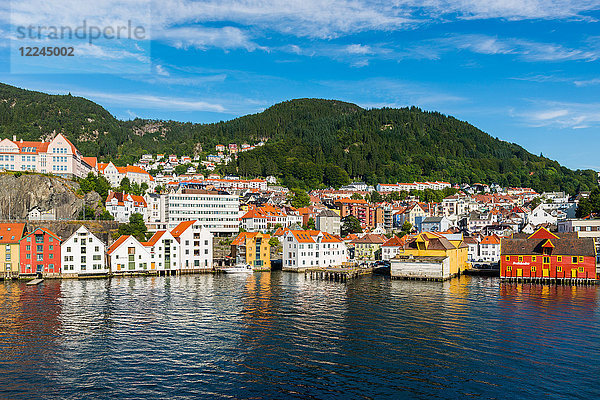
(369, 238)
(182, 227)
(395, 241)
(118, 243)
(240, 239)
(492, 239)
(91, 161)
(11, 232)
(46, 231)
(155, 238)
(302, 236)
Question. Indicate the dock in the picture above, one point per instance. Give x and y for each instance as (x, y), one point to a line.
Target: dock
(34, 282)
(336, 274)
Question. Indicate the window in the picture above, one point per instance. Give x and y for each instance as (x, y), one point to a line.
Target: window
(559, 259)
(507, 258)
(580, 258)
(559, 269)
(68, 249)
(580, 269)
(534, 258)
(546, 260)
(520, 258)
(51, 247)
(574, 260)
(533, 269)
(39, 248)
(28, 247)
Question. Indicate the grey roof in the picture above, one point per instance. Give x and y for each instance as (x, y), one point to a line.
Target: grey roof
(432, 220)
(328, 213)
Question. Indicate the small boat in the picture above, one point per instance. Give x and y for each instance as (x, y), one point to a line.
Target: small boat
(238, 269)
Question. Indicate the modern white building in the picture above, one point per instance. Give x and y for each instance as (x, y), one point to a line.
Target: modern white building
(218, 211)
(123, 205)
(306, 249)
(83, 254)
(156, 207)
(58, 156)
(128, 255)
(195, 245)
(540, 216)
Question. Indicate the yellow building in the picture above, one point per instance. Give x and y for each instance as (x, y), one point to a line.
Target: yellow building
(252, 248)
(367, 246)
(431, 256)
(10, 235)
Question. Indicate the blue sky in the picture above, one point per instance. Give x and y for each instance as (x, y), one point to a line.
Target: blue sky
(526, 71)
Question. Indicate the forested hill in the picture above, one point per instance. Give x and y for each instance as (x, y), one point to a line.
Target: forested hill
(311, 142)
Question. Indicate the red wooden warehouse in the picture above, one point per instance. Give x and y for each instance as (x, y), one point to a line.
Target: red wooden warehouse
(40, 253)
(547, 255)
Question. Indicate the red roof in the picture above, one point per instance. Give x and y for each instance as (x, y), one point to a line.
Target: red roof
(11, 232)
(155, 238)
(91, 161)
(117, 243)
(492, 239)
(182, 227)
(395, 241)
(46, 231)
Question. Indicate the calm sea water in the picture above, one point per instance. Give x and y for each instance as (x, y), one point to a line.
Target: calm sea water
(278, 335)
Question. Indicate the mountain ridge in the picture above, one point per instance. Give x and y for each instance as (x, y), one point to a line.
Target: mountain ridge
(311, 142)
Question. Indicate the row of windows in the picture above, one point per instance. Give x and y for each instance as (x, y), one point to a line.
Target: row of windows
(7, 166)
(7, 158)
(60, 150)
(546, 260)
(28, 158)
(82, 267)
(59, 159)
(199, 198)
(534, 269)
(59, 168)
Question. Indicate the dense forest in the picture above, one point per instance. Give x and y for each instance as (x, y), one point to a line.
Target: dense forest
(310, 142)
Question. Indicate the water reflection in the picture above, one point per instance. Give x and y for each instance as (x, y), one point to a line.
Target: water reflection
(280, 335)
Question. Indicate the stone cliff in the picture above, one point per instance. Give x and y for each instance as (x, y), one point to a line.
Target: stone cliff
(19, 193)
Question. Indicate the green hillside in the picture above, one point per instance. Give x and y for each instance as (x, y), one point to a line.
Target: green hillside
(311, 142)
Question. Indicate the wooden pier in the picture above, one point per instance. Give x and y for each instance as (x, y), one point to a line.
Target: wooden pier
(34, 282)
(336, 274)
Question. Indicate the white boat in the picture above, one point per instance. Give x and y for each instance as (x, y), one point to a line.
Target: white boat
(238, 269)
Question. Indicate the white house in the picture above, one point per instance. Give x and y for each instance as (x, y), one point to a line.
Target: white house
(540, 216)
(83, 254)
(164, 252)
(128, 255)
(122, 205)
(305, 249)
(195, 245)
(392, 247)
(489, 249)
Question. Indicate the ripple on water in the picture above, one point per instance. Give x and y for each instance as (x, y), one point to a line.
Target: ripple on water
(278, 335)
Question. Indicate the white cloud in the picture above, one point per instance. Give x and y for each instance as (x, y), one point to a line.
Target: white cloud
(588, 82)
(142, 101)
(203, 38)
(566, 115)
(162, 71)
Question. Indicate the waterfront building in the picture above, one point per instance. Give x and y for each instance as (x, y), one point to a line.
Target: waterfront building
(489, 249)
(252, 248)
(431, 255)
(128, 255)
(367, 247)
(195, 245)
(58, 156)
(40, 253)
(123, 205)
(10, 235)
(218, 211)
(548, 255)
(392, 246)
(83, 254)
(164, 252)
(306, 249)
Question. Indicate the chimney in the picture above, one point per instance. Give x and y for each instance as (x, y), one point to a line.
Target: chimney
(14, 138)
(21, 140)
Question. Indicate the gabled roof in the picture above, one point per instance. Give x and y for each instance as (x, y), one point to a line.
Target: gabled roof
(302, 236)
(242, 236)
(492, 239)
(567, 246)
(118, 243)
(329, 238)
(543, 233)
(154, 239)
(395, 241)
(44, 230)
(182, 227)
(11, 232)
(91, 161)
(369, 238)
